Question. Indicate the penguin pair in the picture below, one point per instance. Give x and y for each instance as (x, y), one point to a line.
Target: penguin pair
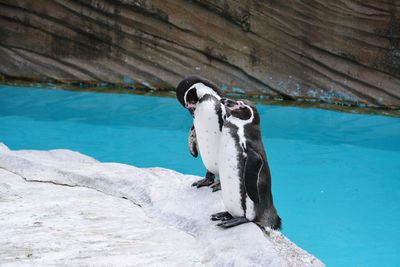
(227, 134)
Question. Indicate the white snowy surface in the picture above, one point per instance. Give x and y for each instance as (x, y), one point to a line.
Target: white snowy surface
(50, 215)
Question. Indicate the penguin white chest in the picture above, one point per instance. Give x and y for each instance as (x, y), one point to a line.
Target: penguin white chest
(208, 134)
(230, 174)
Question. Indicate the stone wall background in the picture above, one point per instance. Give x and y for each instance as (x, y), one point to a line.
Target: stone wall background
(345, 51)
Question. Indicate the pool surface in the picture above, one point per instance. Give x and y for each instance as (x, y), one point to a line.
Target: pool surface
(336, 176)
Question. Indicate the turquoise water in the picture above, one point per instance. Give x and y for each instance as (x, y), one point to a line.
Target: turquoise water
(336, 176)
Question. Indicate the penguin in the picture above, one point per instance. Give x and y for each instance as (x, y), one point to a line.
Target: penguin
(243, 170)
(202, 99)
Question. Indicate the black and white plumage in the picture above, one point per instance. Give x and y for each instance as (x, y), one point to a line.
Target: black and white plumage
(202, 99)
(243, 169)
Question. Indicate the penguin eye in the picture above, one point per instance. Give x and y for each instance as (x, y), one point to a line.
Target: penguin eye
(241, 103)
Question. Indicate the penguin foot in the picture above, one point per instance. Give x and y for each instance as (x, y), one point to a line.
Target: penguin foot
(233, 222)
(221, 216)
(209, 180)
(216, 186)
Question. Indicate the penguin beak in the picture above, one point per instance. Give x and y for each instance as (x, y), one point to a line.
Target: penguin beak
(230, 104)
(191, 107)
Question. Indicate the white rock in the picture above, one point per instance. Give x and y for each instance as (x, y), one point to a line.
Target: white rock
(169, 224)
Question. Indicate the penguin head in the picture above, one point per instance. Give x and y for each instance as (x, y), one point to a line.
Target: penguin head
(190, 90)
(241, 110)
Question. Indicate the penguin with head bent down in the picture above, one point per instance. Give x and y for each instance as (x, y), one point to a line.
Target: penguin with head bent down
(243, 170)
(202, 99)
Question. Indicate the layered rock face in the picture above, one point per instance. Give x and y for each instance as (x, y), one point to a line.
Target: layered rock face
(344, 51)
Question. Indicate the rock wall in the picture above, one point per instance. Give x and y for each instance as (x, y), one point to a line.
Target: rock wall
(344, 51)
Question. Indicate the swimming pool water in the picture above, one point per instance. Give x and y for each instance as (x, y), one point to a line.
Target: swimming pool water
(335, 176)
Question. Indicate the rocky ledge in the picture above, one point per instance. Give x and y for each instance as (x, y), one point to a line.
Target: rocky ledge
(63, 208)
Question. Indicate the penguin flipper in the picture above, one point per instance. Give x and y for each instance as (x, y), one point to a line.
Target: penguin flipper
(193, 142)
(252, 170)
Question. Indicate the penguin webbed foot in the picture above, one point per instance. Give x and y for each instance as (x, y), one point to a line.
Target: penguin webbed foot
(203, 182)
(233, 222)
(221, 216)
(209, 180)
(216, 186)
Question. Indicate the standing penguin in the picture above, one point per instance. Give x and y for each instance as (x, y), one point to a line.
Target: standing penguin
(202, 99)
(243, 170)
